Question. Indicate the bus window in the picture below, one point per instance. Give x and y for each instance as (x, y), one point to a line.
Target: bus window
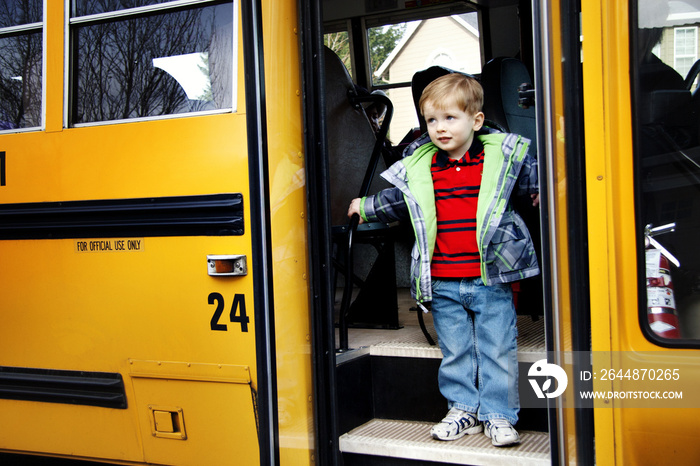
(399, 50)
(667, 157)
(151, 60)
(339, 42)
(21, 27)
(91, 7)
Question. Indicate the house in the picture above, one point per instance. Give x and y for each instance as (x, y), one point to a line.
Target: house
(676, 23)
(450, 41)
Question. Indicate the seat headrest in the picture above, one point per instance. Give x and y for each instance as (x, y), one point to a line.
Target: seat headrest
(420, 81)
(501, 78)
(351, 139)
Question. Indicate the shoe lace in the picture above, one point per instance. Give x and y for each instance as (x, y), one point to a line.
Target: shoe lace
(499, 423)
(454, 415)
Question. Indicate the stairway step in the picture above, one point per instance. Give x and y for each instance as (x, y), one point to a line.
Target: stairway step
(412, 440)
(412, 344)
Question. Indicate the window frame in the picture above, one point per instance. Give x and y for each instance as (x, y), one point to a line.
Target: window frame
(25, 29)
(676, 55)
(635, 56)
(132, 13)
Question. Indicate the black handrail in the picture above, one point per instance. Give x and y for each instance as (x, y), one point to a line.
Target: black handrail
(355, 220)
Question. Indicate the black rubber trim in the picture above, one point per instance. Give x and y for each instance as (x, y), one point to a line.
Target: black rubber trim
(101, 389)
(577, 212)
(261, 233)
(326, 404)
(207, 215)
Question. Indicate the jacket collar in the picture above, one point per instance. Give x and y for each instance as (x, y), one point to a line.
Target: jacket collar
(442, 159)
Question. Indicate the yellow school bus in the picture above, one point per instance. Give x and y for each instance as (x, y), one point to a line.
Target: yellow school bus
(180, 284)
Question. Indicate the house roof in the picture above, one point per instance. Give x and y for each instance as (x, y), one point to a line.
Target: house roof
(468, 21)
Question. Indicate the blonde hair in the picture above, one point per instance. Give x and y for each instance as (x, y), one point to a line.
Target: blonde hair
(464, 91)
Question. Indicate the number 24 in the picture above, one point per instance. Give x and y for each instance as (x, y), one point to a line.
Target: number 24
(236, 316)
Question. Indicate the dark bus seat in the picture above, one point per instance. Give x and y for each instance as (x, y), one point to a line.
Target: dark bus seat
(351, 146)
(501, 79)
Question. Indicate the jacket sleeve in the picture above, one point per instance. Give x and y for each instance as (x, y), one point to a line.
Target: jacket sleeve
(527, 179)
(386, 206)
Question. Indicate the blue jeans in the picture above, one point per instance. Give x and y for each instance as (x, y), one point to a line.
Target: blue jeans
(476, 328)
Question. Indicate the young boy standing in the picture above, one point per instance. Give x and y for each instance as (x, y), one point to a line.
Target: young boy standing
(470, 244)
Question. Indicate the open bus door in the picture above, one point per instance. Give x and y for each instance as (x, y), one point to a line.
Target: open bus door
(387, 395)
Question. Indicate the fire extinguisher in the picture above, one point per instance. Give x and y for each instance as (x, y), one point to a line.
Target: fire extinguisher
(661, 303)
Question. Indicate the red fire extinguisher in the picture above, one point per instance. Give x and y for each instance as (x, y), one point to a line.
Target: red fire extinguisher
(661, 303)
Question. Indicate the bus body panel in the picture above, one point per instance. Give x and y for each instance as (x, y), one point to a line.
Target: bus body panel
(289, 227)
(170, 157)
(143, 305)
(624, 435)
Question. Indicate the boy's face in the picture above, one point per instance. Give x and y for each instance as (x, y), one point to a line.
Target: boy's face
(451, 129)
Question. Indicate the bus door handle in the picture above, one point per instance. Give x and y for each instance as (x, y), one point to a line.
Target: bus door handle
(232, 265)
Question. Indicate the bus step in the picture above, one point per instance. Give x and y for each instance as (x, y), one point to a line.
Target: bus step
(411, 440)
(412, 344)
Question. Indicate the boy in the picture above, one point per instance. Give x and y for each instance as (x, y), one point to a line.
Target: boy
(470, 245)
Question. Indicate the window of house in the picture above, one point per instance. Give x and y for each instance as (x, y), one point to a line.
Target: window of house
(21, 63)
(150, 58)
(685, 48)
(441, 59)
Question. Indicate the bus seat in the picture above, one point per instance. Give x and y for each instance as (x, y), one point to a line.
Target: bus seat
(419, 82)
(350, 139)
(424, 77)
(666, 109)
(351, 142)
(501, 79)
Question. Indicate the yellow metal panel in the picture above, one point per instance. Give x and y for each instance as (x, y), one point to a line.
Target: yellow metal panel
(66, 308)
(592, 22)
(131, 160)
(218, 421)
(126, 310)
(623, 435)
(55, 34)
(94, 432)
(99, 309)
(224, 373)
(163, 421)
(289, 235)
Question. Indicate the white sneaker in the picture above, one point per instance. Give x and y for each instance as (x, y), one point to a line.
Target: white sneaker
(456, 425)
(501, 432)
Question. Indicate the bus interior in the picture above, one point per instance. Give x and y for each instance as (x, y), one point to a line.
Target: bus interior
(501, 43)
(384, 341)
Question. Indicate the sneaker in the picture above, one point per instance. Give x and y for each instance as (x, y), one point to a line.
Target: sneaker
(501, 432)
(456, 425)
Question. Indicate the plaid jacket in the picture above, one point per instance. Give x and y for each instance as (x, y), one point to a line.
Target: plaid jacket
(506, 248)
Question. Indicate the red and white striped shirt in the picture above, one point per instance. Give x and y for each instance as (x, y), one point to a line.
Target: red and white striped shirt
(456, 184)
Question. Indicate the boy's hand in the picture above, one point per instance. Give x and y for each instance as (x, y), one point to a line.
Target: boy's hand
(535, 199)
(355, 209)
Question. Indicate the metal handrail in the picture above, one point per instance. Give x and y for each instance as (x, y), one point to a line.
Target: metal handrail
(355, 220)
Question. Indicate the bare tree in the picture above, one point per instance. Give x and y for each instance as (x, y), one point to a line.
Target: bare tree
(115, 75)
(20, 66)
